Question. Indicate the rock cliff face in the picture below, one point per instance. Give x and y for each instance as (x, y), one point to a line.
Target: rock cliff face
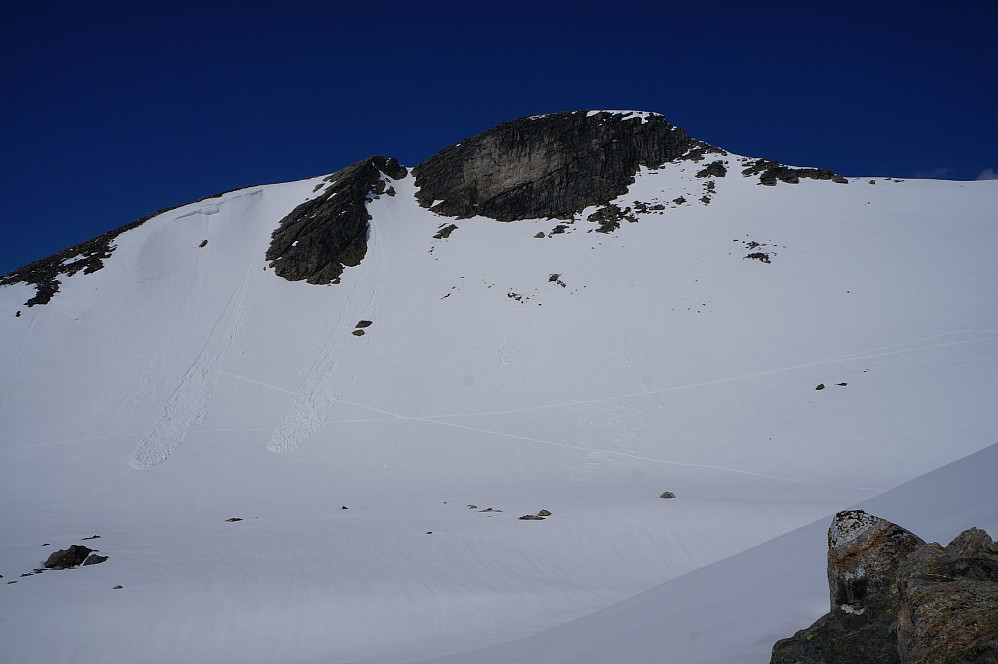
(549, 165)
(322, 236)
(897, 600)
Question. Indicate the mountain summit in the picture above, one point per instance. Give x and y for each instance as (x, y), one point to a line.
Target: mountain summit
(305, 419)
(539, 166)
(554, 165)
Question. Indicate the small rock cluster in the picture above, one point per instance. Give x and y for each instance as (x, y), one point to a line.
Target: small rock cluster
(75, 555)
(540, 516)
(770, 171)
(897, 600)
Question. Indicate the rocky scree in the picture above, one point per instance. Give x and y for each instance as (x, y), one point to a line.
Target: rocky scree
(550, 166)
(897, 600)
(322, 236)
(770, 171)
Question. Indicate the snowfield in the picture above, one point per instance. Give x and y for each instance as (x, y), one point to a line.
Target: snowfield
(580, 372)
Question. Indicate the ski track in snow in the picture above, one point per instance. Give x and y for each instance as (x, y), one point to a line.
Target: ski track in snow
(438, 419)
(861, 355)
(188, 406)
(11, 380)
(398, 417)
(189, 403)
(319, 391)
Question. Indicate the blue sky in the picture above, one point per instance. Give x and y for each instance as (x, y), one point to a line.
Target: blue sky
(111, 111)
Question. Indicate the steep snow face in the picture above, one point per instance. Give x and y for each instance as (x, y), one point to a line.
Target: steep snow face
(579, 366)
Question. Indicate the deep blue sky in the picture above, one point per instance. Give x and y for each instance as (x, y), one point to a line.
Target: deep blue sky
(111, 111)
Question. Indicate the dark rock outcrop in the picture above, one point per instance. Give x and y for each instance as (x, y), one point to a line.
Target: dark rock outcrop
(322, 236)
(445, 232)
(94, 559)
(897, 600)
(770, 171)
(71, 557)
(713, 169)
(549, 165)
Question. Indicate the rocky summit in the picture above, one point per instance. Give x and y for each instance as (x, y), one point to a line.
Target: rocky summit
(534, 167)
(897, 600)
(550, 165)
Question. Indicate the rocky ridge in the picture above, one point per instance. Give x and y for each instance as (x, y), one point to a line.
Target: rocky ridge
(86, 257)
(325, 234)
(550, 166)
(897, 600)
(541, 166)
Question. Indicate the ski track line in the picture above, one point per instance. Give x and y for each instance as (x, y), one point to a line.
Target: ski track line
(189, 403)
(318, 393)
(315, 397)
(7, 386)
(70, 441)
(393, 416)
(436, 419)
(431, 420)
(862, 355)
(250, 380)
(644, 458)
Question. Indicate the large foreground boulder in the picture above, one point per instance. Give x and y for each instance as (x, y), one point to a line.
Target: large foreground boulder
(897, 600)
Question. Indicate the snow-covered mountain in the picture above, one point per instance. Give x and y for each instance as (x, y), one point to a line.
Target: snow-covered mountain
(380, 370)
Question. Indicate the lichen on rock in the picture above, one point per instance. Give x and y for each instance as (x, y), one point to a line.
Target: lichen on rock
(897, 600)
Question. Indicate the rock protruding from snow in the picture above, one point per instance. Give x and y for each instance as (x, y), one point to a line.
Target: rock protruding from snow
(323, 235)
(897, 600)
(549, 166)
(770, 171)
(75, 555)
(863, 552)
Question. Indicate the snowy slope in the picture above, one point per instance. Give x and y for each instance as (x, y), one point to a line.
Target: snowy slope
(181, 385)
(736, 609)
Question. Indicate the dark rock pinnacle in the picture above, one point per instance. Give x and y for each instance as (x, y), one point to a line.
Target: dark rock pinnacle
(549, 165)
(322, 236)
